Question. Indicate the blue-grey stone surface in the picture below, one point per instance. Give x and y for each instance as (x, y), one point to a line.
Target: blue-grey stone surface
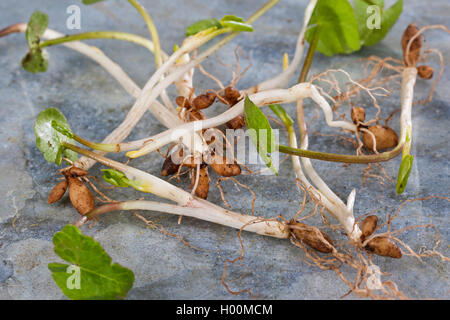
(164, 267)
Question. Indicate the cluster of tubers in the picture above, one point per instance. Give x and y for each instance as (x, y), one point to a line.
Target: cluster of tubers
(320, 241)
(79, 194)
(218, 163)
(411, 57)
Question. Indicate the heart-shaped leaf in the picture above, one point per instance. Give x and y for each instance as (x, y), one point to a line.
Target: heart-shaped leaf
(260, 132)
(334, 23)
(91, 273)
(36, 60)
(370, 35)
(48, 140)
(36, 27)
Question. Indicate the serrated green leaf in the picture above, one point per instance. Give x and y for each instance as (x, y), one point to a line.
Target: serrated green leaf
(91, 1)
(369, 37)
(116, 178)
(201, 25)
(259, 126)
(403, 173)
(36, 60)
(36, 27)
(282, 114)
(48, 140)
(336, 27)
(98, 277)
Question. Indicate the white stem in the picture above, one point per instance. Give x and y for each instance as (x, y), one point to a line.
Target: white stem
(282, 79)
(206, 211)
(408, 81)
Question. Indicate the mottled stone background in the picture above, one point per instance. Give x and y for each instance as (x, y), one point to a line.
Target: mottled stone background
(164, 267)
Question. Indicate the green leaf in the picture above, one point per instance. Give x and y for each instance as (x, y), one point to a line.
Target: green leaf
(237, 26)
(282, 114)
(91, 1)
(49, 140)
(202, 25)
(232, 18)
(369, 37)
(403, 173)
(98, 277)
(36, 27)
(62, 129)
(236, 23)
(336, 27)
(116, 178)
(256, 120)
(36, 60)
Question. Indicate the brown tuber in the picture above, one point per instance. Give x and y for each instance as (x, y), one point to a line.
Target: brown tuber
(358, 114)
(382, 246)
(57, 192)
(412, 58)
(385, 137)
(169, 167)
(203, 183)
(368, 226)
(203, 101)
(425, 72)
(224, 167)
(313, 237)
(183, 102)
(236, 123)
(231, 95)
(80, 196)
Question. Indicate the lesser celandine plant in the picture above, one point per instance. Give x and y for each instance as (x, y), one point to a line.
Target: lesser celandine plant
(330, 27)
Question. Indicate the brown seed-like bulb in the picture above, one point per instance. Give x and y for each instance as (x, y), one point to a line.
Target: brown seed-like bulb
(425, 72)
(169, 167)
(236, 123)
(203, 101)
(385, 137)
(183, 102)
(80, 196)
(313, 237)
(224, 167)
(412, 58)
(57, 192)
(382, 246)
(368, 226)
(358, 114)
(203, 183)
(231, 95)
